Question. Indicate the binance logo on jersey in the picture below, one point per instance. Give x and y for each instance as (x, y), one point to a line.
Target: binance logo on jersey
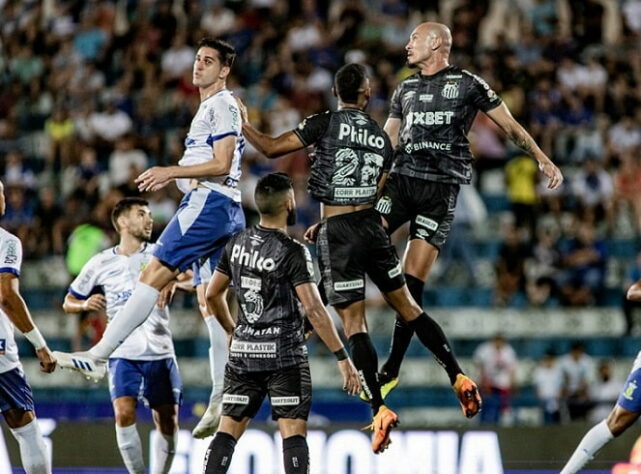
(251, 259)
(360, 135)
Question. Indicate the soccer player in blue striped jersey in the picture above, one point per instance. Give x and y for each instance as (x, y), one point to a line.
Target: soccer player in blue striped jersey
(209, 214)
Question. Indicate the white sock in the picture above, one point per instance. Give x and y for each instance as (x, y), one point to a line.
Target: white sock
(593, 440)
(218, 355)
(164, 449)
(130, 448)
(132, 315)
(33, 450)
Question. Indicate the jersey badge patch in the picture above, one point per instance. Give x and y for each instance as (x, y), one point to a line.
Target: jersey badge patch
(450, 90)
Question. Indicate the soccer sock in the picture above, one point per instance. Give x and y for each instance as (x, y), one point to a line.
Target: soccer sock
(219, 453)
(33, 451)
(433, 337)
(133, 314)
(296, 455)
(593, 440)
(366, 362)
(130, 448)
(164, 449)
(218, 355)
(402, 335)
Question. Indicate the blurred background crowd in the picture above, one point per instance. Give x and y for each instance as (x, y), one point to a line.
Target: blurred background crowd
(94, 92)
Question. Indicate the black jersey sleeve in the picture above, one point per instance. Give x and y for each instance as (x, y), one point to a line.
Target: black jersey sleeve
(297, 265)
(388, 154)
(313, 128)
(223, 263)
(481, 94)
(395, 110)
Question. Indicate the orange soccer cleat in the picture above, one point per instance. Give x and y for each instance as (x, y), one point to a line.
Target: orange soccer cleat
(468, 395)
(382, 424)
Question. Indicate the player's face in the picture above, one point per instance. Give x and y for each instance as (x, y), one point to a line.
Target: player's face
(419, 46)
(140, 223)
(207, 68)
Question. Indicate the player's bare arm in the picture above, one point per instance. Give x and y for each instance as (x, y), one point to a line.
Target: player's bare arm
(71, 304)
(16, 310)
(217, 301)
(392, 128)
(271, 147)
(520, 137)
(323, 325)
(159, 176)
(634, 292)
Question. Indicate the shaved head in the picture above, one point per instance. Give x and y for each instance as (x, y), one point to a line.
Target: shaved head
(430, 43)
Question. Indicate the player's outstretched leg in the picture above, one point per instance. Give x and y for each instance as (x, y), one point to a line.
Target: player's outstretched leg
(33, 451)
(468, 395)
(84, 362)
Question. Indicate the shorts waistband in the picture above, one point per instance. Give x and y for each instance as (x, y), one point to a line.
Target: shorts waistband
(362, 214)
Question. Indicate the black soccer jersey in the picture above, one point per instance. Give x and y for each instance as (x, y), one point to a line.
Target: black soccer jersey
(351, 152)
(436, 113)
(265, 266)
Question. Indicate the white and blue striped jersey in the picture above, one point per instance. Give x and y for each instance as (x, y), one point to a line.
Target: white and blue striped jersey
(217, 117)
(117, 275)
(10, 262)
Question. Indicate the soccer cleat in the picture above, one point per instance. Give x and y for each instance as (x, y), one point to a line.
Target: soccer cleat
(208, 424)
(83, 362)
(468, 395)
(387, 385)
(382, 424)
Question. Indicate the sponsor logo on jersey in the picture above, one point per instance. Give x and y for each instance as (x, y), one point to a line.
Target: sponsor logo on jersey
(384, 205)
(427, 222)
(3, 346)
(360, 135)
(454, 76)
(450, 90)
(430, 118)
(396, 271)
(426, 97)
(354, 192)
(253, 347)
(255, 240)
(422, 234)
(251, 259)
(232, 399)
(349, 285)
(285, 401)
(427, 145)
(628, 393)
(11, 256)
(250, 331)
(250, 283)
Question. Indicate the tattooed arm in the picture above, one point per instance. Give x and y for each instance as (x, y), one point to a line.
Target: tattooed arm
(520, 137)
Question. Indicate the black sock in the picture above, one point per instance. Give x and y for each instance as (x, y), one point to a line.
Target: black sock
(366, 362)
(219, 453)
(296, 455)
(433, 337)
(402, 335)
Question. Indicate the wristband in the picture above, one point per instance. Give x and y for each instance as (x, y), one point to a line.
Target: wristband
(35, 338)
(341, 354)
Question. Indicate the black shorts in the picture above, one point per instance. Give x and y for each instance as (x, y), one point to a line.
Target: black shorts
(289, 390)
(350, 246)
(428, 205)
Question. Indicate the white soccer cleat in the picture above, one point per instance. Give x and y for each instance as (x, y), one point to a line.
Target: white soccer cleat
(83, 362)
(208, 424)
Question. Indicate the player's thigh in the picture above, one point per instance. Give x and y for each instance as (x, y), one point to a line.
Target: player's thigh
(381, 261)
(243, 393)
(162, 384)
(289, 427)
(125, 378)
(340, 261)
(290, 392)
(353, 317)
(165, 418)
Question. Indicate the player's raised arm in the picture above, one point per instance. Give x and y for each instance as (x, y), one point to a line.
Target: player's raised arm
(520, 137)
(271, 147)
(323, 325)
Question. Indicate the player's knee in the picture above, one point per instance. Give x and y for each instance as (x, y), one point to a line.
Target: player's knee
(167, 425)
(617, 424)
(125, 417)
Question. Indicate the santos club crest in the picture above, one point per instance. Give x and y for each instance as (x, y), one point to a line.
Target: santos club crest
(450, 90)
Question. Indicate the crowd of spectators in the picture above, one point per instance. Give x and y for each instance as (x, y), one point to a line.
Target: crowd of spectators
(92, 93)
